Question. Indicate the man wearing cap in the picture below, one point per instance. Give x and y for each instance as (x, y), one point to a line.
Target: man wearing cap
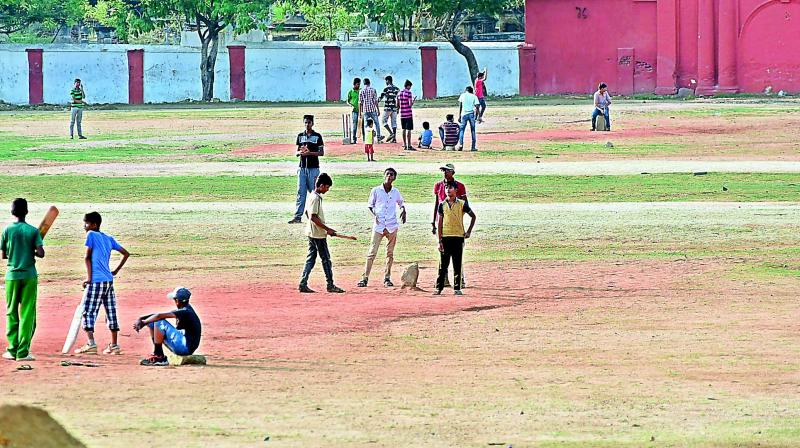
(440, 194)
(383, 203)
(310, 148)
(182, 339)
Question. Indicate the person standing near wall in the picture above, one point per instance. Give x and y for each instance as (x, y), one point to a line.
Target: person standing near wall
(480, 92)
(368, 106)
(352, 100)
(77, 101)
(601, 102)
(405, 101)
(310, 148)
(467, 110)
(390, 109)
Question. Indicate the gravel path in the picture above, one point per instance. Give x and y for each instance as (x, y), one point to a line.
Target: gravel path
(615, 167)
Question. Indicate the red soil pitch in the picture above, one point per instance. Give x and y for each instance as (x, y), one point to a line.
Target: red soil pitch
(335, 146)
(246, 321)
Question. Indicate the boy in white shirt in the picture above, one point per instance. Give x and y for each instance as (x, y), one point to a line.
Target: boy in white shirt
(383, 202)
(467, 110)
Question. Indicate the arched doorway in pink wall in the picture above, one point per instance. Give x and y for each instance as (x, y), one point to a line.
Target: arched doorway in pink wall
(769, 50)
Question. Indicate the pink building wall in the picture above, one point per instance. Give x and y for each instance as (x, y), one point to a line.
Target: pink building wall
(658, 46)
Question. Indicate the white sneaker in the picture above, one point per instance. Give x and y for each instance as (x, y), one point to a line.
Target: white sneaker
(27, 358)
(8, 355)
(112, 349)
(87, 349)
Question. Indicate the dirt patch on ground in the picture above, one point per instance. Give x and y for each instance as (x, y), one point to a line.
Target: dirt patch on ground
(626, 349)
(268, 320)
(28, 427)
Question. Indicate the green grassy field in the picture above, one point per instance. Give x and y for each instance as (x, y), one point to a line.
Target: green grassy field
(725, 187)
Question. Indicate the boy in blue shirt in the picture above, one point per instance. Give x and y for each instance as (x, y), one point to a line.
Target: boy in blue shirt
(99, 284)
(426, 138)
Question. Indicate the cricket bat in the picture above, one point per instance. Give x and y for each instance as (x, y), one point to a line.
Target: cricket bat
(72, 335)
(347, 237)
(360, 126)
(48, 220)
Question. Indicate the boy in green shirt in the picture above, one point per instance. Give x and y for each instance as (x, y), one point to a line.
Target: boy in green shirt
(19, 243)
(78, 99)
(352, 100)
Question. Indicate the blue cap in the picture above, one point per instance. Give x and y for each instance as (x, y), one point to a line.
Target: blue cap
(180, 294)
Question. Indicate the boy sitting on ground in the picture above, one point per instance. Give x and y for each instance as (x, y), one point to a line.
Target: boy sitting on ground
(426, 138)
(182, 339)
(448, 133)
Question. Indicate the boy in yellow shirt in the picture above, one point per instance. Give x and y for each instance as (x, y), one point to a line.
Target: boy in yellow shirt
(452, 235)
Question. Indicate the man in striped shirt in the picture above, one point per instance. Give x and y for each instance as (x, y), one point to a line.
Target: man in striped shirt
(390, 108)
(448, 132)
(368, 104)
(405, 100)
(77, 96)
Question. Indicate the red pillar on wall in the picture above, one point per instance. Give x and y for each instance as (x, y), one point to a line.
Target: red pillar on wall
(706, 66)
(35, 76)
(135, 76)
(728, 36)
(625, 67)
(333, 73)
(527, 70)
(667, 47)
(236, 59)
(429, 71)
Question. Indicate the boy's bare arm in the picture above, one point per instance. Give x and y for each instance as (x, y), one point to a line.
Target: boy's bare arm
(39, 251)
(319, 152)
(439, 233)
(315, 219)
(473, 218)
(435, 212)
(88, 261)
(125, 255)
(150, 318)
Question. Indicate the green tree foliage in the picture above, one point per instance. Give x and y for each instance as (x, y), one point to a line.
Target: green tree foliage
(447, 15)
(16, 15)
(209, 17)
(396, 16)
(325, 17)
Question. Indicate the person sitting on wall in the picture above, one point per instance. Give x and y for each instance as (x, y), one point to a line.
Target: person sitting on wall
(601, 102)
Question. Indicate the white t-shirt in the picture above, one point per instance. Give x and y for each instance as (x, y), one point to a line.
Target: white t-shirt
(468, 102)
(602, 100)
(385, 207)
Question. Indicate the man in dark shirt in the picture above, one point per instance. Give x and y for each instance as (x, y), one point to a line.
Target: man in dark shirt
(310, 148)
(182, 339)
(390, 109)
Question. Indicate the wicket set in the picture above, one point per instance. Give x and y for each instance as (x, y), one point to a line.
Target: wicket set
(347, 129)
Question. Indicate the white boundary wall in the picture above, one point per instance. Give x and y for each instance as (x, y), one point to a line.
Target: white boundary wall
(275, 71)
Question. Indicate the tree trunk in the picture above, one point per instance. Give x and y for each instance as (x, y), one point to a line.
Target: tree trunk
(463, 50)
(208, 60)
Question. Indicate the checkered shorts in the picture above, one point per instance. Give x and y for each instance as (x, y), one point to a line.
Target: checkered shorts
(95, 295)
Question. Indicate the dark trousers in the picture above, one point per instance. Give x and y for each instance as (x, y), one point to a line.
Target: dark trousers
(453, 248)
(317, 246)
(605, 114)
